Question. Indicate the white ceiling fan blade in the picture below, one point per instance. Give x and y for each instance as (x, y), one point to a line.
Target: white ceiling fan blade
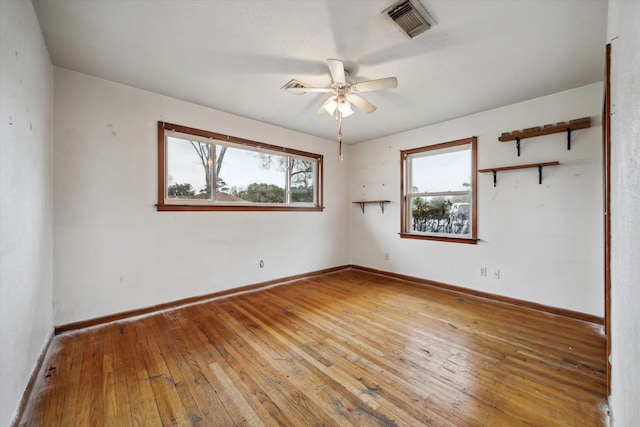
(336, 67)
(361, 103)
(379, 84)
(301, 90)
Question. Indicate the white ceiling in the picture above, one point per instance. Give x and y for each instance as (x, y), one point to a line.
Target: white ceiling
(234, 56)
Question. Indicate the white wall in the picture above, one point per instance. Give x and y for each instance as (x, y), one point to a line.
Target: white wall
(115, 252)
(624, 32)
(546, 240)
(26, 90)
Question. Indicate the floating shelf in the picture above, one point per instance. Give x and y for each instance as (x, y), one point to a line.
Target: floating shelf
(364, 202)
(507, 168)
(517, 135)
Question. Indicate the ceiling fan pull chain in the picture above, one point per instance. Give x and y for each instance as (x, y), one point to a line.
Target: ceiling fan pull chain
(340, 136)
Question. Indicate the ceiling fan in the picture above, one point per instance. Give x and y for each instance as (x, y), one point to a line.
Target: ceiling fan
(344, 94)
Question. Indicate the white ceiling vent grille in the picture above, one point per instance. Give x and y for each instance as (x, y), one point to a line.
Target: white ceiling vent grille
(410, 17)
(294, 84)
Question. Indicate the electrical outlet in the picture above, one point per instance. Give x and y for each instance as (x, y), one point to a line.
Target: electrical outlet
(386, 256)
(495, 274)
(483, 271)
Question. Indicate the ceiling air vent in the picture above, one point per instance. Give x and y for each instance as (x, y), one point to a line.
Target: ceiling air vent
(410, 17)
(293, 84)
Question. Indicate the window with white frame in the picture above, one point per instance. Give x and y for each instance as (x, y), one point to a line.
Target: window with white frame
(439, 192)
(202, 170)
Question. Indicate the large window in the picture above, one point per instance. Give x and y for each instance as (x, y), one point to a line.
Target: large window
(201, 170)
(438, 192)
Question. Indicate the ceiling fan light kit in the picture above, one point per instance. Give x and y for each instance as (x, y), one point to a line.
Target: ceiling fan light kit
(330, 106)
(343, 93)
(344, 106)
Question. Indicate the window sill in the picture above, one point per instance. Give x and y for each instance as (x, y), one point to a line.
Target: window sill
(451, 239)
(208, 208)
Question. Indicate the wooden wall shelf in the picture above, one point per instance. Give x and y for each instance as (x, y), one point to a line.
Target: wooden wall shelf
(527, 166)
(517, 135)
(364, 202)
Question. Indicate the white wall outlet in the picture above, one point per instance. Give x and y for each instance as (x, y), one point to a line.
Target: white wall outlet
(483, 271)
(495, 274)
(386, 256)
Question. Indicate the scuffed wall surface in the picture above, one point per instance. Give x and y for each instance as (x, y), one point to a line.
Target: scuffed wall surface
(26, 276)
(115, 252)
(624, 31)
(546, 240)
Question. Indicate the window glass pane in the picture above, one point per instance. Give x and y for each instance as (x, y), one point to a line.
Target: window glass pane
(302, 185)
(188, 169)
(250, 176)
(210, 171)
(440, 214)
(439, 192)
(441, 171)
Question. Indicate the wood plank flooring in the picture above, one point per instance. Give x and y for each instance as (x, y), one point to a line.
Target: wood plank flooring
(347, 348)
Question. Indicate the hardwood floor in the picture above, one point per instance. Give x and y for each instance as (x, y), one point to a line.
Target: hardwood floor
(347, 348)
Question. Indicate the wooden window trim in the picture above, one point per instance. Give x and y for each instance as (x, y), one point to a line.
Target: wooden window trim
(164, 128)
(404, 154)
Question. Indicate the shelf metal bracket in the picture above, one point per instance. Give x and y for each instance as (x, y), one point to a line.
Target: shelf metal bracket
(539, 174)
(568, 138)
(361, 207)
(518, 145)
(495, 174)
(382, 207)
